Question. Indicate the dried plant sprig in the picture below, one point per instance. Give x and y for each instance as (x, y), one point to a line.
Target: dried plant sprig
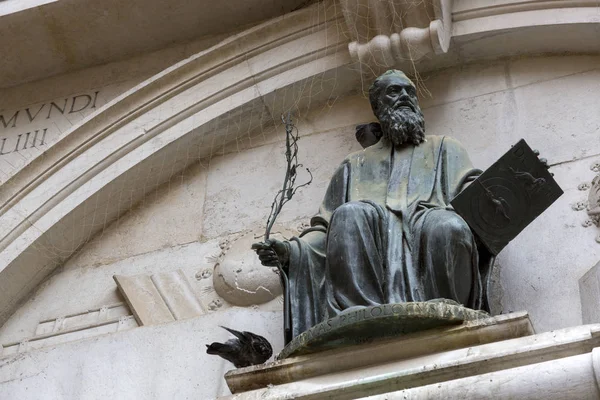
(288, 190)
(281, 198)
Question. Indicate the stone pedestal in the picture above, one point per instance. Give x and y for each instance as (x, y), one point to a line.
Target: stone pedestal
(497, 357)
(361, 325)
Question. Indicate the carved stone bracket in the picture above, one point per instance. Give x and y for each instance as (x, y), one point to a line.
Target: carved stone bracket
(592, 203)
(387, 32)
(593, 208)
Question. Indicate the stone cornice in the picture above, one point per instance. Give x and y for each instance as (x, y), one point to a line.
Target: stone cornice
(486, 17)
(468, 10)
(434, 34)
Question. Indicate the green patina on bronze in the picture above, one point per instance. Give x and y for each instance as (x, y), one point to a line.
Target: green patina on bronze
(376, 322)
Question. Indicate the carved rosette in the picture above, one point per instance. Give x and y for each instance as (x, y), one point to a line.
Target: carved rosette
(385, 33)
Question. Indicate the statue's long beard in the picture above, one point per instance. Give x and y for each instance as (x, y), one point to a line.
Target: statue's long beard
(402, 126)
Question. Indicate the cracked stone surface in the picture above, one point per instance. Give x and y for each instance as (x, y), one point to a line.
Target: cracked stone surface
(240, 278)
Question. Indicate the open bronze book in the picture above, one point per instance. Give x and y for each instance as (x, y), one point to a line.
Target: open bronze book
(510, 194)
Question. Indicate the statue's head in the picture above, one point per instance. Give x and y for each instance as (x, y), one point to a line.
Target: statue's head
(394, 101)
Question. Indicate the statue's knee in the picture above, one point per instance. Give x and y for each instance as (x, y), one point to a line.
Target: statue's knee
(457, 228)
(450, 226)
(353, 208)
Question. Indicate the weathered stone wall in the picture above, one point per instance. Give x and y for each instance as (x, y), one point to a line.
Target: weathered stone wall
(161, 362)
(193, 222)
(552, 103)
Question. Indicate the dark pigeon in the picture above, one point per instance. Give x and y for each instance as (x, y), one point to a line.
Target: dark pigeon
(245, 350)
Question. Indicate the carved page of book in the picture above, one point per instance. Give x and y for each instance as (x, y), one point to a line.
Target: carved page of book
(159, 298)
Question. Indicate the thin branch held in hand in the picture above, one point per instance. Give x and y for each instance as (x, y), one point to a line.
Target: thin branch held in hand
(281, 198)
(291, 173)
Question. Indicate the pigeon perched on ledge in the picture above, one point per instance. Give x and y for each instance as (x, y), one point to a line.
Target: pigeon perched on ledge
(245, 350)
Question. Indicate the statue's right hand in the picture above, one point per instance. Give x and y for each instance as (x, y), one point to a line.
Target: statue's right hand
(272, 251)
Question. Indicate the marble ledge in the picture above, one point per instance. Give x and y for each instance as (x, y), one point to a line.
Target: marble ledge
(409, 346)
(499, 357)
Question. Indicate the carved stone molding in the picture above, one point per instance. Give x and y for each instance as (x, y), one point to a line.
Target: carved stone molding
(388, 32)
(432, 34)
(106, 319)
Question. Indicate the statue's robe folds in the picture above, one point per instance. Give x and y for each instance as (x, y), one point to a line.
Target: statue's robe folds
(386, 233)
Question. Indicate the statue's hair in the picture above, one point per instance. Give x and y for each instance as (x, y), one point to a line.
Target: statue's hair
(375, 88)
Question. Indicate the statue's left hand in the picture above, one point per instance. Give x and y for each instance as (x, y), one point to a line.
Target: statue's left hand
(271, 252)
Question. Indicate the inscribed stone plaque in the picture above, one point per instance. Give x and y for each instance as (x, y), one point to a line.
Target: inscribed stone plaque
(507, 197)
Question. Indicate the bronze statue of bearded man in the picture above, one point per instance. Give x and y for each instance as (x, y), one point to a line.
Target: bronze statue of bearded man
(385, 231)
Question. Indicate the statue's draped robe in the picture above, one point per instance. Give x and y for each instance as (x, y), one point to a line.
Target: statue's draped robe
(386, 204)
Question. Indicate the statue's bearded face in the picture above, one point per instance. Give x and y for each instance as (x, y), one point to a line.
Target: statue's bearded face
(398, 111)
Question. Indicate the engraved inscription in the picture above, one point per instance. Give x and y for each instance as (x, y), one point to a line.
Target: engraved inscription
(36, 126)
